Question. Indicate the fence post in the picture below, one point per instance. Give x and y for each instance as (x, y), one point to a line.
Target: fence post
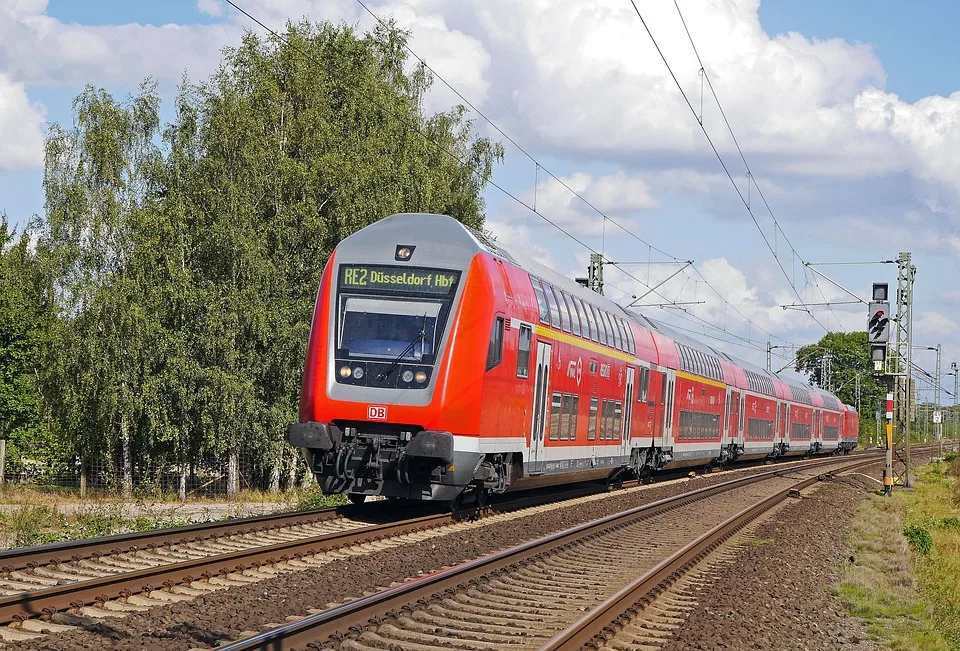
(3, 460)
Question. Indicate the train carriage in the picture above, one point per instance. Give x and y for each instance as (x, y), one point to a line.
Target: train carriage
(439, 362)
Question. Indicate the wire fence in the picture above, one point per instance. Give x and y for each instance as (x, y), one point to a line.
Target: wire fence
(207, 476)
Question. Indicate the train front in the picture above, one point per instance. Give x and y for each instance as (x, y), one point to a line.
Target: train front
(385, 404)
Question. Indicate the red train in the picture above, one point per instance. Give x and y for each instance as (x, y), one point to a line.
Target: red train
(440, 363)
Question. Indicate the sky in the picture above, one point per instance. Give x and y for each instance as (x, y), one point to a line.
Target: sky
(846, 117)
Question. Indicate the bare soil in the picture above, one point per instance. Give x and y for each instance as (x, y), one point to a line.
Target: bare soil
(225, 615)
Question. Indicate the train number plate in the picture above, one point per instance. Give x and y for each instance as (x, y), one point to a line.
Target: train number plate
(376, 412)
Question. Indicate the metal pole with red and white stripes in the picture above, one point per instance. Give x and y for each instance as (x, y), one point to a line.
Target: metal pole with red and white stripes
(888, 468)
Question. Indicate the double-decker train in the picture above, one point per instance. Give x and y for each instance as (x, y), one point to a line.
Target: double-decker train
(441, 363)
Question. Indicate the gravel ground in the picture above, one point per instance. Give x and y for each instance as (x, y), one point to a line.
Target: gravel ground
(775, 595)
(223, 615)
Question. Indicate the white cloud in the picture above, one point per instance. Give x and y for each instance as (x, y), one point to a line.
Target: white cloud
(936, 326)
(210, 7)
(950, 296)
(21, 127)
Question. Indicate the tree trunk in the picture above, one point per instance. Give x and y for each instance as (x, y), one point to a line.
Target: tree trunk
(83, 475)
(127, 459)
(275, 475)
(3, 460)
(182, 489)
(292, 469)
(233, 474)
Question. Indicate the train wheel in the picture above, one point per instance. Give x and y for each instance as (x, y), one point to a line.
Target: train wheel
(356, 498)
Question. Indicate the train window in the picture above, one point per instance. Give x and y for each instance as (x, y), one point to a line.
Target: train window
(582, 315)
(617, 335)
(574, 414)
(611, 334)
(601, 328)
(625, 328)
(555, 404)
(621, 338)
(523, 351)
(592, 420)
(495, 349)
(552, 305)
(644, 384)
(541, 300)
(663, 388)
(565, 417)
(564, 315)
(594, 332)
(574, 317)
(631, 344)
(608, 419)
(617, 420)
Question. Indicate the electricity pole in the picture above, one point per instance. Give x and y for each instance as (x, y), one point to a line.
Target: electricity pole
(901, 365)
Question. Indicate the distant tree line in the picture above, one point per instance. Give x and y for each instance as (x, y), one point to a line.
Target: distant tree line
(158, 311)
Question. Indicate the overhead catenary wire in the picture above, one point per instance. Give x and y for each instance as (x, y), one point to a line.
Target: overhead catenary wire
(509, 194)
(540, 166)
(723, 164)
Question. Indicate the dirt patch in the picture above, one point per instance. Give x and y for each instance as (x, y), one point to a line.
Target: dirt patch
(776, 594)
(225, 615)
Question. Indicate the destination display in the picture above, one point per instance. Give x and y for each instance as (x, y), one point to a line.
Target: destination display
(398, 279)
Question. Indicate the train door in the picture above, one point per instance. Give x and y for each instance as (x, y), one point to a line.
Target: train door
(627, 413)
(669, 379)
(541, 393)
(734, 422)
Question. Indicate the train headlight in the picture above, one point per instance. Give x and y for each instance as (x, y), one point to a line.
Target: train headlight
(420, 377)
(358, 373)
(345, 372)
(407, 376)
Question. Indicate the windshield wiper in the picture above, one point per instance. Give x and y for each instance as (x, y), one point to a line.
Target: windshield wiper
(396, 362)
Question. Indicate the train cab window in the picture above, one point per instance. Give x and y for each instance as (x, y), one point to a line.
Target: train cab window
(592, 421)
(555, 411)
(574, 317)
(495, 349)
(541, 300)
(552, 305)
(601, 328)
(523, 351)
(562, 306)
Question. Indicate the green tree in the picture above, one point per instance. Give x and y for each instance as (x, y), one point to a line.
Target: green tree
(23, 319)
(98, 184)
(849, 357)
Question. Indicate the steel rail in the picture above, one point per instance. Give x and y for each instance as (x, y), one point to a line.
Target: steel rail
(602, 623)
(338, 622)
(54, 553)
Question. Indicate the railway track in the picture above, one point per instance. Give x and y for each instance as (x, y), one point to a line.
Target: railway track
(111, 576)
(570, 590)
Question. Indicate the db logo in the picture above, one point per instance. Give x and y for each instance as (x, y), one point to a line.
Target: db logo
(376, 412)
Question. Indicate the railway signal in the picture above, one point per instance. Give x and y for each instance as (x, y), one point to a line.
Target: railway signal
(878, 326)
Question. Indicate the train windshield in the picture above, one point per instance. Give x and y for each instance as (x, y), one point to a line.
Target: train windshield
(389, 329)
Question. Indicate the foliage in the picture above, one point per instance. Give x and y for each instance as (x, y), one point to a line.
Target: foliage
(849, 357)
(163, 315)
(919, 538)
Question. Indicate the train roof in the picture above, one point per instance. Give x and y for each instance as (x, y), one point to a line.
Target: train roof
(459, 239)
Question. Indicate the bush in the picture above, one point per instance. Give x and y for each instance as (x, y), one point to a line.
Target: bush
(313, 499)
(919, 538)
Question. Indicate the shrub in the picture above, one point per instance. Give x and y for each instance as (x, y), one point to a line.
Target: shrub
(919, 538)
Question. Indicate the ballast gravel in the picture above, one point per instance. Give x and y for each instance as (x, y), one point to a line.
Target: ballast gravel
(220, 616)
(775, 594)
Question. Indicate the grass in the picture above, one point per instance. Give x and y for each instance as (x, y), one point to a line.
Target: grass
(904, 579)
(37, 517)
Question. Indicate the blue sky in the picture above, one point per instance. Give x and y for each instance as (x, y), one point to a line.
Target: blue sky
(834, 104)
